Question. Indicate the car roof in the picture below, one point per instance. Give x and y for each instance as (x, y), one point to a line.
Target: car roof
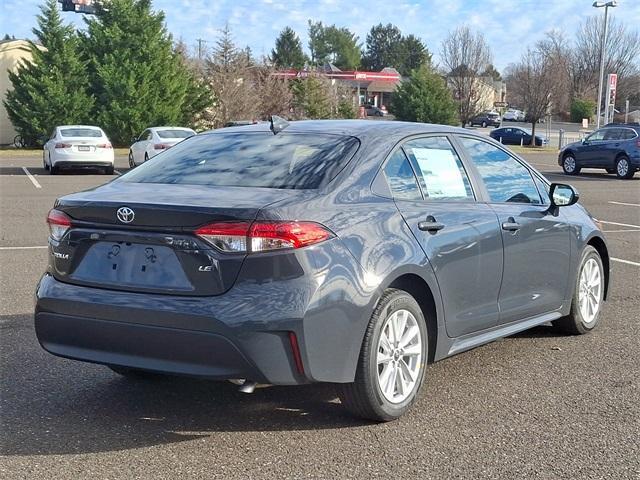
(362, 129)
(633, 125)
(155, 129)
(79, 126)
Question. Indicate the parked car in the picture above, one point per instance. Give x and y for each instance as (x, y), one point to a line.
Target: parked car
(373, 111)
(155, 140)
(486, 119)
(513, 115)
(329, 251)
(78, 146)
(615, 148)
(516, 136)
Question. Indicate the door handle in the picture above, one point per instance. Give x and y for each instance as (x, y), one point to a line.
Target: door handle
(430, 225)
(511, 225)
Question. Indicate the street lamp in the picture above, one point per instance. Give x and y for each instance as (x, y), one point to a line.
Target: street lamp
(606, 5)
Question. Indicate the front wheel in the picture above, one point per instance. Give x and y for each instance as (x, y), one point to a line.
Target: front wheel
(570, 165)
(132, 163)
(392, 361)
(588, 295)
(623, 168)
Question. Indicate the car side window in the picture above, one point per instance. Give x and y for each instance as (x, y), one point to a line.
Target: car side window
(439, 169)
(597, 135)
(148, 135)
(543, 189)
(400, 177)
(628, 134)
(506, 179)
(53, 134)
(612, 134)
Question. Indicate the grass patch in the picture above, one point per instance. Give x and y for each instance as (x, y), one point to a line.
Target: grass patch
(519, 149)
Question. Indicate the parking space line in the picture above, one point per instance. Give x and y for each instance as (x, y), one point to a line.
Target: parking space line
(620, 231)
(31, 177)
(24, 248)
(624, 203)
(118, 172)
(628, 262)
(619, 224)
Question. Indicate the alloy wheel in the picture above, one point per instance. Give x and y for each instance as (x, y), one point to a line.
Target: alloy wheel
(622, 167)
(399, 356)
(569, 164)
(590, 290)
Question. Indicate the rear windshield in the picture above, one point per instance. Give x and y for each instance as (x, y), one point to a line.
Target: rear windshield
(80, 132)
(175, 133)
(256, 159)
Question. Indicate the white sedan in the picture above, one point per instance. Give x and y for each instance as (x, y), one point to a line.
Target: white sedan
(155, 140)
(78, 146)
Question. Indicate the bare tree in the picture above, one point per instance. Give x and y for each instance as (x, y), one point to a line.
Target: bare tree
(230, 74)
(465, 55)
(556, 50)
(532, 82)
(622, 57)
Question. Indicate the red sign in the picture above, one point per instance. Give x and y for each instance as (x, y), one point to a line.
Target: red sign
(613, 81)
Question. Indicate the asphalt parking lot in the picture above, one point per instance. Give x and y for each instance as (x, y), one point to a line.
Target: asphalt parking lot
(535, 405)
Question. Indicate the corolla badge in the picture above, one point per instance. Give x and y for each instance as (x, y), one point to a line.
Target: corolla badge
(125, 214)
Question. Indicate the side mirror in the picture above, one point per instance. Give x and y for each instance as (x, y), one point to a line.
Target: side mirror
(563, 195)
(584, 141)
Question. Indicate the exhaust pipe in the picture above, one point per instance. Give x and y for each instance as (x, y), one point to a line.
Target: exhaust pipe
(247, 387)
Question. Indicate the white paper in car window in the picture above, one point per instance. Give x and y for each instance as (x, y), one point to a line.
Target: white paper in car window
(440, 172)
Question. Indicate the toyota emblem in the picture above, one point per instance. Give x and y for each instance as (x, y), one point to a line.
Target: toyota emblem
(125, 214)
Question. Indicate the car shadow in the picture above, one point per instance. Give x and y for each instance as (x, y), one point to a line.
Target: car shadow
(57, 406)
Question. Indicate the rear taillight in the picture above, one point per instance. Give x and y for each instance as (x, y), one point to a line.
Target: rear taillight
(161, 146)
(262, 236)
(59, 222)
(104, 145)
(63, 145)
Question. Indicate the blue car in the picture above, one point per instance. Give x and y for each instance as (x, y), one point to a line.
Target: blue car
(615, 148)
(349, 252)
(516, 136)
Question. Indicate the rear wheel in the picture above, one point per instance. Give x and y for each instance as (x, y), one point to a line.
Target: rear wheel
(570, 165)
(53, 170)
(392, 360)
(588, 295)
(131, 162)
(623, 168)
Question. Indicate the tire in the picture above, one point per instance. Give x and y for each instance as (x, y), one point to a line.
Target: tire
(570, 165)
(146, 157)
(577, 323)
(365, 397)
(44, 161)
(135, 373)
(623, 168)
(53, 170)
(484, 124)
(109, 170)
(132, 163)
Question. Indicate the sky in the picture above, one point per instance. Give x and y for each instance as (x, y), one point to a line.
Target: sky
(509, 26)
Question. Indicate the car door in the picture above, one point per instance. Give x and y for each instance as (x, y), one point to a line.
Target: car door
(590, 152)
(140, 147)
(609, 149)
(535, 237)
(460, 237)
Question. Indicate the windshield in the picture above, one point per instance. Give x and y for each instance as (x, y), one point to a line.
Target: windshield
(175, 133)
(256, 159)
(81, 132)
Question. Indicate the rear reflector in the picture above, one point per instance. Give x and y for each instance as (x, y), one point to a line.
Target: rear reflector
(59, 222)
(295, 350)
(104, 145)
(63, 145)
(262, 236)
(161, 146)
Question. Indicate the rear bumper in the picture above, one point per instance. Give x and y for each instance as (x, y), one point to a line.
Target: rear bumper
(243, 333)
(142, 346)
(83, 163)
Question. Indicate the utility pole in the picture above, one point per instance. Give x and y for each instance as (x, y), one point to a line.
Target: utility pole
(201, 42)
(606, 5)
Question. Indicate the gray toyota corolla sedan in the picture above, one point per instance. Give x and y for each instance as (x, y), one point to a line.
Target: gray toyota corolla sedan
(350, 252)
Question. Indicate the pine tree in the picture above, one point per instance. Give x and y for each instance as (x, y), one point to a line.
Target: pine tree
(51, 89)
(424, 98)
(288, 52)
(138, 79)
